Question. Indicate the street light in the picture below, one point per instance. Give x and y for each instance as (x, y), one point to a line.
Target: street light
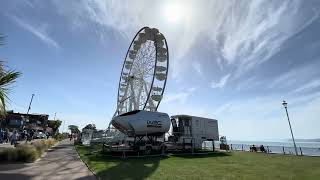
(30, 104)
(285, 105)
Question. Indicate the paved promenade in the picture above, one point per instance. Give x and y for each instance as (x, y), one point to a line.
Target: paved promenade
(62, 162)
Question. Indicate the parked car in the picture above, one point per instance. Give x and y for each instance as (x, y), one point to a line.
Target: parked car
(41, 135)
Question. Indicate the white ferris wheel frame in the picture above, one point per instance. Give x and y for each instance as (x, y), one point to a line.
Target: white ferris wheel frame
(135, 92)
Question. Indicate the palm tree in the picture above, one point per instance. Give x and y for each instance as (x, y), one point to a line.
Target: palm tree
(6, 79)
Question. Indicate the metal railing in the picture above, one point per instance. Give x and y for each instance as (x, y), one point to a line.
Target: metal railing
(303, 151)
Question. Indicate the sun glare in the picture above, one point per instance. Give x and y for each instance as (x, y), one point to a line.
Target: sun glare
(173, 12)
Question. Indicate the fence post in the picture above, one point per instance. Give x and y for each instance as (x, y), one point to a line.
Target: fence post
(242, 147)
(301, 151)
(213, 146)
(268, 150)
(231, 147)
(283, 150)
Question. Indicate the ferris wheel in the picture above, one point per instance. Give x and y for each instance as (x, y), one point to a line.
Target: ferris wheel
(144, 72)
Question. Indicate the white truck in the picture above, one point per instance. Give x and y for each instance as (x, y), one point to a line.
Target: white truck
(189, 132)
(148, 131)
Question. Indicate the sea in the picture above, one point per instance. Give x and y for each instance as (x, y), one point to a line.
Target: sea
(280, 147)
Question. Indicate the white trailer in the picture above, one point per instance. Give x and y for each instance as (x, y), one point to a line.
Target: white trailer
(154, 131)
(191, 131)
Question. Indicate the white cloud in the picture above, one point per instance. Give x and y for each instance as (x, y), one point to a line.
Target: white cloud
(259, 118)
(264, 117)
(248, 83)
(176, 97)
(253, 37)
(197, 67)
(220, 63)
(181, 103)
(28, 3)
(305, 118)
(290, 77)
(244, 33)
(221, 83)
(179, 97)
(39, 32)
(223, 108)
(308, 86)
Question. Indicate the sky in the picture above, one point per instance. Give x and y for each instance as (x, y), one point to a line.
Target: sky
(234, 61)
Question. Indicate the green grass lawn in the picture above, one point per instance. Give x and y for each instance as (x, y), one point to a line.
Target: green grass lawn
(235, 165)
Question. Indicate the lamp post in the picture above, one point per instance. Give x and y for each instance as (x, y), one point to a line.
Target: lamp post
(285, 105)
(30, 104)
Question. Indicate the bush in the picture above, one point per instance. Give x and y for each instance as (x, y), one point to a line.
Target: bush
(60, 137)
(43, 145)
(40, 146)
(51, 142)
(26, 152)
(9, 154)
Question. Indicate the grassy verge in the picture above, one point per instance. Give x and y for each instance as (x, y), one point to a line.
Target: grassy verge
(236, 165)
(26, 152)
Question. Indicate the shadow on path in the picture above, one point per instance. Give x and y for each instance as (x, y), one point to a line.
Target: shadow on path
(15, 176)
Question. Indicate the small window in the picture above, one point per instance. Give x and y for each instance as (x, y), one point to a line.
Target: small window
(186, 123)
(14, 122)
(197, 123)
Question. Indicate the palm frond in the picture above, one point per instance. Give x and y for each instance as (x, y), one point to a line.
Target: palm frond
(8, 78)
(2, 37)
(2, 102)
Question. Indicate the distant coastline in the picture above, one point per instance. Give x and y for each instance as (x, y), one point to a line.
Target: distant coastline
(309, 147)
(306, 140)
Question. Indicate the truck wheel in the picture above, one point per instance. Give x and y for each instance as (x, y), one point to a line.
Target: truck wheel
(148, 150)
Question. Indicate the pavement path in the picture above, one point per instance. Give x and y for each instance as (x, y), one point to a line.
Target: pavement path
(61, 162)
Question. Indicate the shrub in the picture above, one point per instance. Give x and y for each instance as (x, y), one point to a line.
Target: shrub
(9, 154)
(60, 137)
(40, 146)
(43, 145)
(27, 153)
(12, 155)
(51, 142)
(3, 156)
